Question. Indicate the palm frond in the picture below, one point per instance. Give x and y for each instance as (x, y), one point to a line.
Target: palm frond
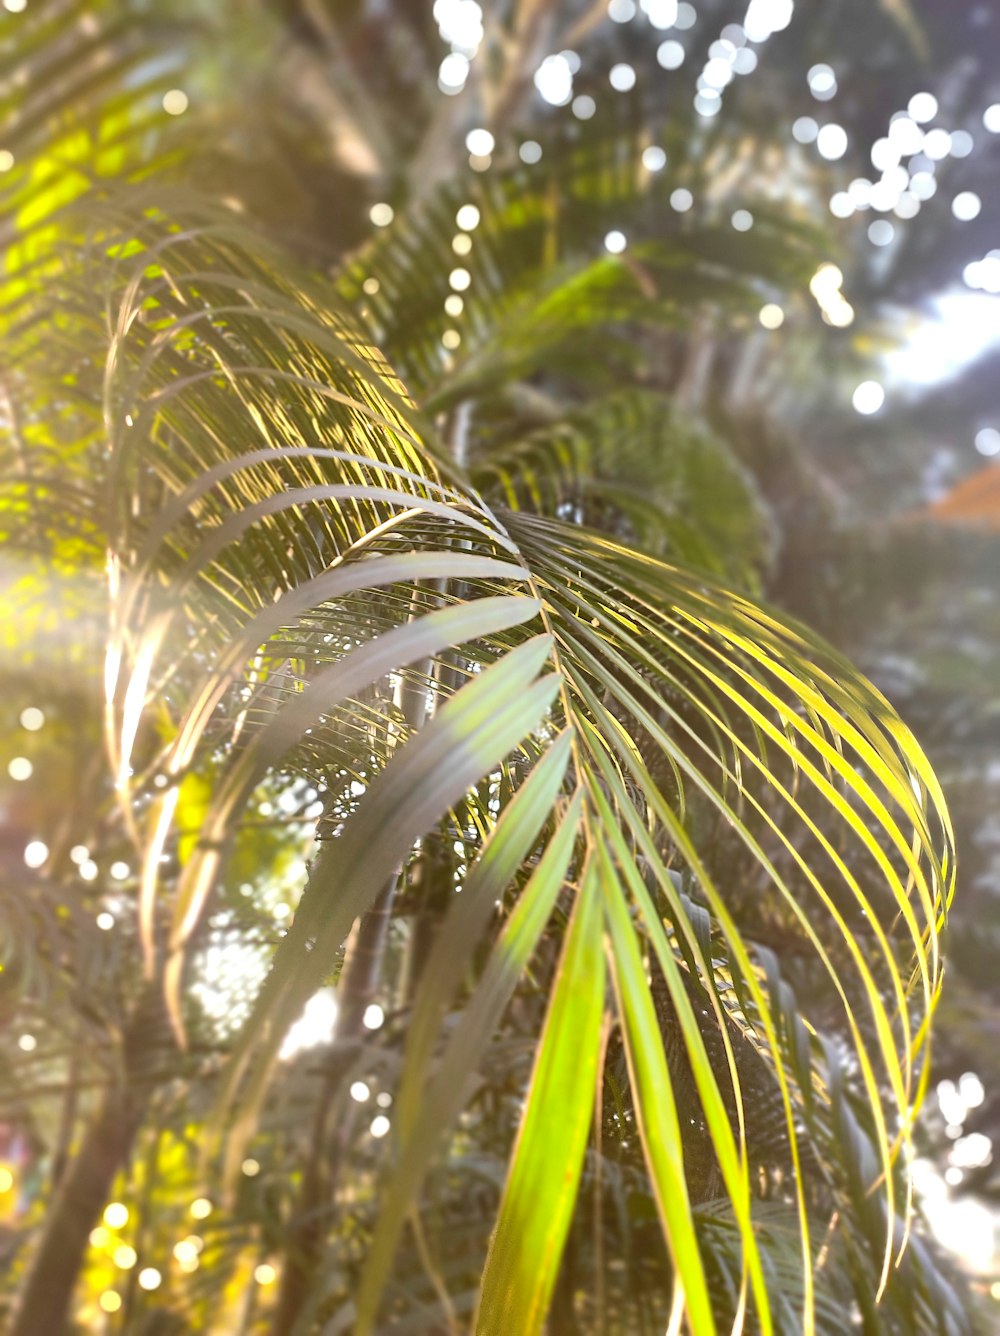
(293, 555)
(631, 464)
(679, 704)
(540, 289)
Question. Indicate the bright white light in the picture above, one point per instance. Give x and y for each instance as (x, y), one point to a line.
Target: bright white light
(175, 102)
(35, 853)
(615, 242)
(885, 193)
(821, 80)
(79, 853)
(265, 1274)
(530, 152)
(119, 870)
(380, 1125)
(383, 1099)
(828, 278)
(805, 130)
(186, 1251)
(662, 13)
(881, 232)
(745, 61)
(622, 77)
(896, 179)
(15, 6)
(984, 274)
(832, 142)
(116, 1215)
(907, 206)
(987, 443)
(707, 102)
(480, 142)
(32, 718)
(201, 1208)
(742, 220)
(860, 191)
(554, 80)
(972, 1151)
(149, 1278)
(250, 1167)
(923, 185)
(27, 1043)
(359, 1091)
(937, 144)
(718, 73)
(88, 870)
(6, 160)
(20, 768)
(687, 15)
(962, 327)
(966, 206)
(962, 143)
(453, 304)
(460, 23)
(923, 107)
(467, 26)
(621, 11)
(369, 287)
(906, 136)
(453, 72)
(965, 1227)
(381, 214)
(584, 107)
(839, 313)
(670, 55)
(467, 217)
(841, 205)
(765, 17)
(315, 1025)
(771, 316)
(654, 159)
(681, 200)
(991, 118)
(105, 921)
(969, 1085)
(459, 279)
(461, 244)
(868, 398)
(373, 1016)
(885, 154)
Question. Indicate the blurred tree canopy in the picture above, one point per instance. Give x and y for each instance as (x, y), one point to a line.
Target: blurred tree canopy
(454, 879)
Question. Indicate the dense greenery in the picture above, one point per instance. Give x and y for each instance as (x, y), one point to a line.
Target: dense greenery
(412, 553)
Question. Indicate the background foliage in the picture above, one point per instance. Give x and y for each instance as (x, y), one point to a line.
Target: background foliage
(433, 511)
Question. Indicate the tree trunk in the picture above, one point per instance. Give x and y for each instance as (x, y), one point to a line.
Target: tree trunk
(82, 1194)
(86, 1183)
(358, 982)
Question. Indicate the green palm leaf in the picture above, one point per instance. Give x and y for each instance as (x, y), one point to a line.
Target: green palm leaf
(682, 705)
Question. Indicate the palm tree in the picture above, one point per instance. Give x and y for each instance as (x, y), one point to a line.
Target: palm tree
(630, 889)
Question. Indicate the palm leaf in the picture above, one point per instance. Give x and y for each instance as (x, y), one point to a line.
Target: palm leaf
(645, 664)
(631, 464)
